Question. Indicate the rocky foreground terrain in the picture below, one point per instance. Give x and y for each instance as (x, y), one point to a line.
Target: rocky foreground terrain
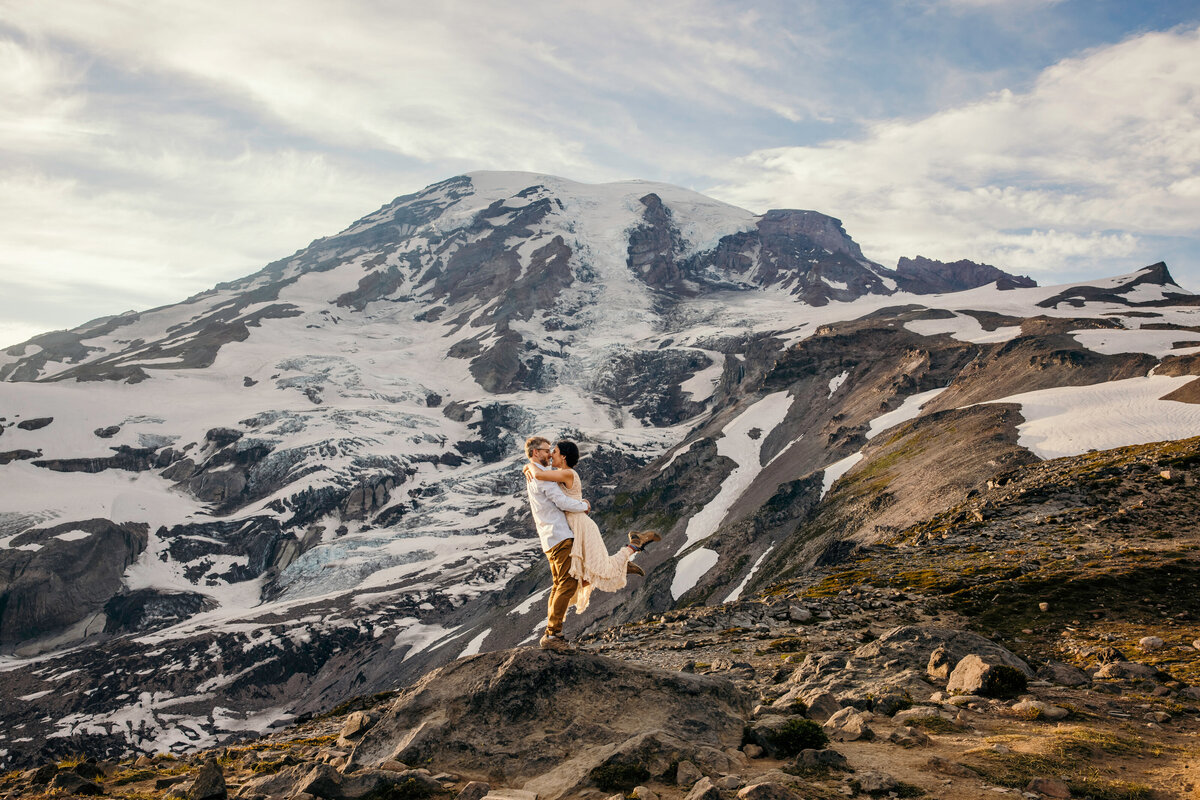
(1038, 639)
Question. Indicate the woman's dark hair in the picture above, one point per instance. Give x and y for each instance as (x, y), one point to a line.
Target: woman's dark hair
(569, 451)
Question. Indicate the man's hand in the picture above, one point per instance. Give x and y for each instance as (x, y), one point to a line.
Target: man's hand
(589, 506)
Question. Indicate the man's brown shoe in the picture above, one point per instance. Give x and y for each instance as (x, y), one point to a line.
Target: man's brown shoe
(633, 569)
(639, 539)
(556, 643)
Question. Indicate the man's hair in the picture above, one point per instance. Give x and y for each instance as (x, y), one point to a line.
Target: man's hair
(534, 442)
(569, 451)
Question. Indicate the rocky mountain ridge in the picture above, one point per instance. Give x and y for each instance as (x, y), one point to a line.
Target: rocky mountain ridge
(302, 486)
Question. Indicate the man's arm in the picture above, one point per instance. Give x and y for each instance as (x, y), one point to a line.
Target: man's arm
(556, 495)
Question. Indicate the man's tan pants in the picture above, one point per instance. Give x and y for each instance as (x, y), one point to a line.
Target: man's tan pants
(563, 588)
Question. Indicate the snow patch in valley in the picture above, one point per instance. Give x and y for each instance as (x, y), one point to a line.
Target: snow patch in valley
(837, 469)
(737, 444)
(529, 602)
(963, 327)
(473, 646)
(702, 385)
(1155, 342)
(690, 569)
(909, 409)
(736, 593)
(1069, 420)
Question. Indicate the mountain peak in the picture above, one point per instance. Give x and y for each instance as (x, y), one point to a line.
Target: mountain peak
(922, 275)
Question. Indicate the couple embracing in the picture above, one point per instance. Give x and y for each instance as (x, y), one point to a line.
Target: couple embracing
(579, 562)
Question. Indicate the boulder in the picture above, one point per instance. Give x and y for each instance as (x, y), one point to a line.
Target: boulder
(873, 781)
(909, 714)
(909, 737)
(975, 675)
(70, 783)
(821, 706)
(768, 790)
(686, 774)
(643, 793)
(475, 790)
(1036, 709)
(798, 614)
(829, 759)
(704, 790)
(209, 783)
(546, 721)
(1062, 674)
(1125, 669)
(848, 725)
(912, 646)
(939, 664)
(1150, 644)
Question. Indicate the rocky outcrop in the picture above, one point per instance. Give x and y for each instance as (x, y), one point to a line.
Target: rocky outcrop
(52, 578)
(547, 721)
(922, 275)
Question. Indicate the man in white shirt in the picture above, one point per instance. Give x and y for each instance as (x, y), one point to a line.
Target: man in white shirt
(548, 502)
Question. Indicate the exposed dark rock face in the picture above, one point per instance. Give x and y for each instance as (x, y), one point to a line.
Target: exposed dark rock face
(496, 424)
(75, 569)
(258, 539)
(654, 247)
(1153, 276)
(647, 383)
(34, 424)
(150, 609)
(503, 714)
(807, 253)
(922, 275)
(131, 459)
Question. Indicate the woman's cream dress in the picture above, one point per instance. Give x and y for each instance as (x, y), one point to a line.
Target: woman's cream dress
(591, 564)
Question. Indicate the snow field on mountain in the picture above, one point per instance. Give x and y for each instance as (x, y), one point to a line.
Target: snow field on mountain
(1157, 343)
(741, 587)
(737, 444)
(1069, 420)
(963, 327)
(690, 569)
(837, 469)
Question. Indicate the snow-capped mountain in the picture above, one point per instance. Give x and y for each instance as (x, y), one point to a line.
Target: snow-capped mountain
(304, 485)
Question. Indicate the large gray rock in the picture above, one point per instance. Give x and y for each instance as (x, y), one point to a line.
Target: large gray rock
(768, 791)
(1126, 669)
(848, 725)
(911, 646)
(209, 783)
(65, 579)
(978, 676)
(545, 720)
(1062, 674)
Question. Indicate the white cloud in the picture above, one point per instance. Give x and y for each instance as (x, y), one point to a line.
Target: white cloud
(1104, 148)
(481, 82)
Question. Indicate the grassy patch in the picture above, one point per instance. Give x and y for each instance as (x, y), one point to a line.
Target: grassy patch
(1017, 769)
(786, 645)
(132, 776)
(934, 724)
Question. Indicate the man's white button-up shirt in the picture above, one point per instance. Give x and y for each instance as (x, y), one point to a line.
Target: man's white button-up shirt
(548, 502)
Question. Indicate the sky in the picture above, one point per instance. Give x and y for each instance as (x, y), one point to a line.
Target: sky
(151, 150)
